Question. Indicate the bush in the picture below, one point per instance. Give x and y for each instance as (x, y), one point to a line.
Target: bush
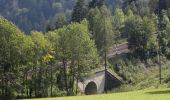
(10, 93)
(124, 88)
(56, 92)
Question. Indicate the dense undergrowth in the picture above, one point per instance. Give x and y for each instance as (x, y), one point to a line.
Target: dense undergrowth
(139, 74)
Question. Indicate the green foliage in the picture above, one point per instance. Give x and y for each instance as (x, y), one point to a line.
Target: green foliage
(57, 22)
(75, 49)
(10, 55)
(140, 7)
(118, 24)
(142, 38)
(80, 11)
(102, 30)
(33, 61)
(163, 42)
(119, 18)
(57, 92)
(50, 64)
(96, 3)
(35, 14)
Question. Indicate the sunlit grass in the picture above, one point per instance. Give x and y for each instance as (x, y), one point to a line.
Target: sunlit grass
(155, 94)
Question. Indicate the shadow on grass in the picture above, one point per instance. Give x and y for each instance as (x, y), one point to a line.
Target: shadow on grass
(159, 92)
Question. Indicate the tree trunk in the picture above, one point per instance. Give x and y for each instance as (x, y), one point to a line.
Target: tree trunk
(72, 75)
(26, 83)
(78, 73)
(73, 78)
(3, 86)
(35, 77)
(39, 82)
(46, 87)
(65, 75)
(51, 81)
(77, 85)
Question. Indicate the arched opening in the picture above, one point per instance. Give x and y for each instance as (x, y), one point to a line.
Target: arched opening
(91, 88)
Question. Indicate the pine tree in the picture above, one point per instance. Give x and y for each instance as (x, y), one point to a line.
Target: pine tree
(80, 11)
(96, 3)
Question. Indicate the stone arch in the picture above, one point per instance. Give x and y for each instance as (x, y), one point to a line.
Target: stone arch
(91, 88)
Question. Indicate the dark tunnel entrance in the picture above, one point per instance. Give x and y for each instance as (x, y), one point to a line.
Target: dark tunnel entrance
(91, 88)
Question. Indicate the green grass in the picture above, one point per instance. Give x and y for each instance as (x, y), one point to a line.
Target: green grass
(154, 94)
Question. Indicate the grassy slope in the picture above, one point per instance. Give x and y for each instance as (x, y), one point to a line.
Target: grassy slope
(141, 75)
(157, 94)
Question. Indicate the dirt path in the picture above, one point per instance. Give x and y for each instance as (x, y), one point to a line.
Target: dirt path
(120, 49)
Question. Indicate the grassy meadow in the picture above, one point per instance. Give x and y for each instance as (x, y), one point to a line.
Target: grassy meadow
(150, 94)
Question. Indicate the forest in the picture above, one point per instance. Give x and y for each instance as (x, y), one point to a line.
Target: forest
(39, 14)
(47, 47)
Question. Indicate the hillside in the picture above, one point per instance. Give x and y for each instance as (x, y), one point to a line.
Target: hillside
(56, 48)
(36, 14)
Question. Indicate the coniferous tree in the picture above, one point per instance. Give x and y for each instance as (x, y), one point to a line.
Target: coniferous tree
(80, 11)
(96, 3)
(57, 23)
(102, 30)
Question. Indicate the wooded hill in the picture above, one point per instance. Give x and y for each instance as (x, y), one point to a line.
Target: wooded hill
(31, 15)
(50, 63)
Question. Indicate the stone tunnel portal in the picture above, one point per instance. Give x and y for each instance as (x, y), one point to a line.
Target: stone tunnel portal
(91, 88)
